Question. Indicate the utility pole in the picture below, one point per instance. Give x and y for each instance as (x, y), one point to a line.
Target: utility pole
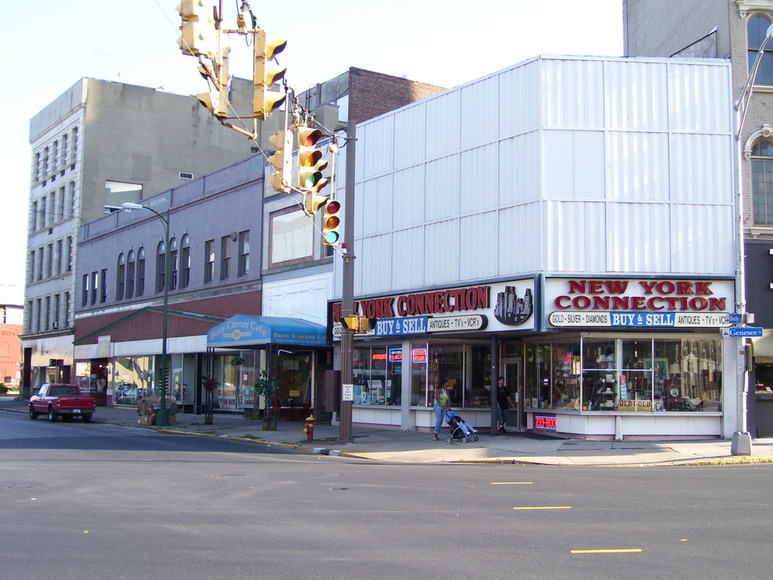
(347, 286)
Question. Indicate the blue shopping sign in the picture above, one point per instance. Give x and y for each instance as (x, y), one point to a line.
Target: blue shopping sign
(741, 331)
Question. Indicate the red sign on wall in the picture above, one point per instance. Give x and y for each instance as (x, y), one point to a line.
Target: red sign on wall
(543, 422)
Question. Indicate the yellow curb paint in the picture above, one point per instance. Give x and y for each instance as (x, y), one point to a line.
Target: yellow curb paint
(619, 551)
(511, 483)
(545, 507)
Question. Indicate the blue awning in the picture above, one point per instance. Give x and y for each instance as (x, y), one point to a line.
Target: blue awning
(245, 330)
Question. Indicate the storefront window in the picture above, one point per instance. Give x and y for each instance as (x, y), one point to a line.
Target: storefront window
(763, 375)
(378, 375)
(236, 374)
(625, 374)
(695, 376)
(132, 379)
(466, 367)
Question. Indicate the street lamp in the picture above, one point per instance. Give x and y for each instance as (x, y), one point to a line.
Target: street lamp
(741, 443)
(162, 417)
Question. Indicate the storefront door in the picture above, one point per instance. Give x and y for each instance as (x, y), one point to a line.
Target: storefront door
(512, 374)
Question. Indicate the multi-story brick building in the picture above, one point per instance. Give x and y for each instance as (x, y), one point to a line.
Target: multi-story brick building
(97, 145)
(11, 316)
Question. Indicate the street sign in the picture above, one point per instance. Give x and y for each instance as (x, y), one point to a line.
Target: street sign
(735, 318)
(347, 393)
(740, 331)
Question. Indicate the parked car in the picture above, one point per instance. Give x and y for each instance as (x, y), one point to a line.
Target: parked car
(61, 400)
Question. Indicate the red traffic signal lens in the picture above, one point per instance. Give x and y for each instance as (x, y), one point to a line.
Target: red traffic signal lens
(332, 208)
(308, 137)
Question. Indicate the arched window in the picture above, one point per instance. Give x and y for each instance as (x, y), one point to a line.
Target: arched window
(140, 271)
(130, 270)
(160, 267)
(185, 262)
(762, 183)
(173, 264)
(120, 285)
(755, 36)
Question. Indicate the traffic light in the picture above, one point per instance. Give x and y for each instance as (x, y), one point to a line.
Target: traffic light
(312, 202)
(281, 160)
(217, 98)
(331, 220)
(197, 31)
(310, 162)
(266, 74)
(358, 324)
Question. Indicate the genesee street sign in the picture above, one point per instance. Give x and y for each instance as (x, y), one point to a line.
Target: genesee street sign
(739, 331)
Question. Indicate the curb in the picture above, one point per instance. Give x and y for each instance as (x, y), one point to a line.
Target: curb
(697, 462)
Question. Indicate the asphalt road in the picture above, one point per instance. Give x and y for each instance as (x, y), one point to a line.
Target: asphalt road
(98, 501)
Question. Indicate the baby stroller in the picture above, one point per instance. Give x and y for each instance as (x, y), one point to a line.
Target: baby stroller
(459, 429)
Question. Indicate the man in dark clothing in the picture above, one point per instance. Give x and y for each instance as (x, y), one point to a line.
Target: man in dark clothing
(503, 405)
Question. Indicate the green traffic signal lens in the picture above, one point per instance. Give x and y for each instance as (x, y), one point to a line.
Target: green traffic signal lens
(330, 238)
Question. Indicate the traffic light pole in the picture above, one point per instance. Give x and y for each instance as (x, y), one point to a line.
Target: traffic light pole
(347, 285)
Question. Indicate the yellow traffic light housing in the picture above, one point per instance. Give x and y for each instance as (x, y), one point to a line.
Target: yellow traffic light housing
(266, 74)
(331, 221)
(281, 160)
(358, 324)
(312, 202)
(217, 100)
(310, 161)
(197, 30)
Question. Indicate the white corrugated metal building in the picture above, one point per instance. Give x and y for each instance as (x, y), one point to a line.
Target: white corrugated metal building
(571, 191)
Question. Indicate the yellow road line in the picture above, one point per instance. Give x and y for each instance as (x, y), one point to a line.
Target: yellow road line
(544, 507)
(618, 551)
(511, 483)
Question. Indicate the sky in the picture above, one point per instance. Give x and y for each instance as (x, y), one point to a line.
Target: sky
(50, 44)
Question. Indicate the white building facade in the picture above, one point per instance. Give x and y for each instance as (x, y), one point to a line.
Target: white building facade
(567, 223)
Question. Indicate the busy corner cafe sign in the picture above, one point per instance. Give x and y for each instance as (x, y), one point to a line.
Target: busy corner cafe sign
(639, 303)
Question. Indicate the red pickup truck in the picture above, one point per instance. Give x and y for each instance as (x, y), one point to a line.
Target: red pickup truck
(59, 399)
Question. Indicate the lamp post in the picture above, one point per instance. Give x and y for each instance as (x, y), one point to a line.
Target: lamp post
(741, 443)
(162, 417)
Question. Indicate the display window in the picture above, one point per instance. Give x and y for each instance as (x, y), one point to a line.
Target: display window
(465, 366)
(132, 379)
(763, 374)
(238, 376)
(625, 374)
(377, 373)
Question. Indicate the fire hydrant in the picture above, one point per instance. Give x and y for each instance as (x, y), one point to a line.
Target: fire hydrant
(309, 428)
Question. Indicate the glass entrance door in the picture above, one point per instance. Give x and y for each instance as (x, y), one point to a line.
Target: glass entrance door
(512, 373)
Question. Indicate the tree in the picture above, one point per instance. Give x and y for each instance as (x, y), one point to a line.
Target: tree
(266, 386)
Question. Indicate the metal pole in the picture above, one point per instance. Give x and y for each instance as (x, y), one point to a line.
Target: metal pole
(162, 417)
(347, 285)
(741, 443)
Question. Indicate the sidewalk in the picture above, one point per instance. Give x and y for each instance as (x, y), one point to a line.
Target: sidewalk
(391, 444)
